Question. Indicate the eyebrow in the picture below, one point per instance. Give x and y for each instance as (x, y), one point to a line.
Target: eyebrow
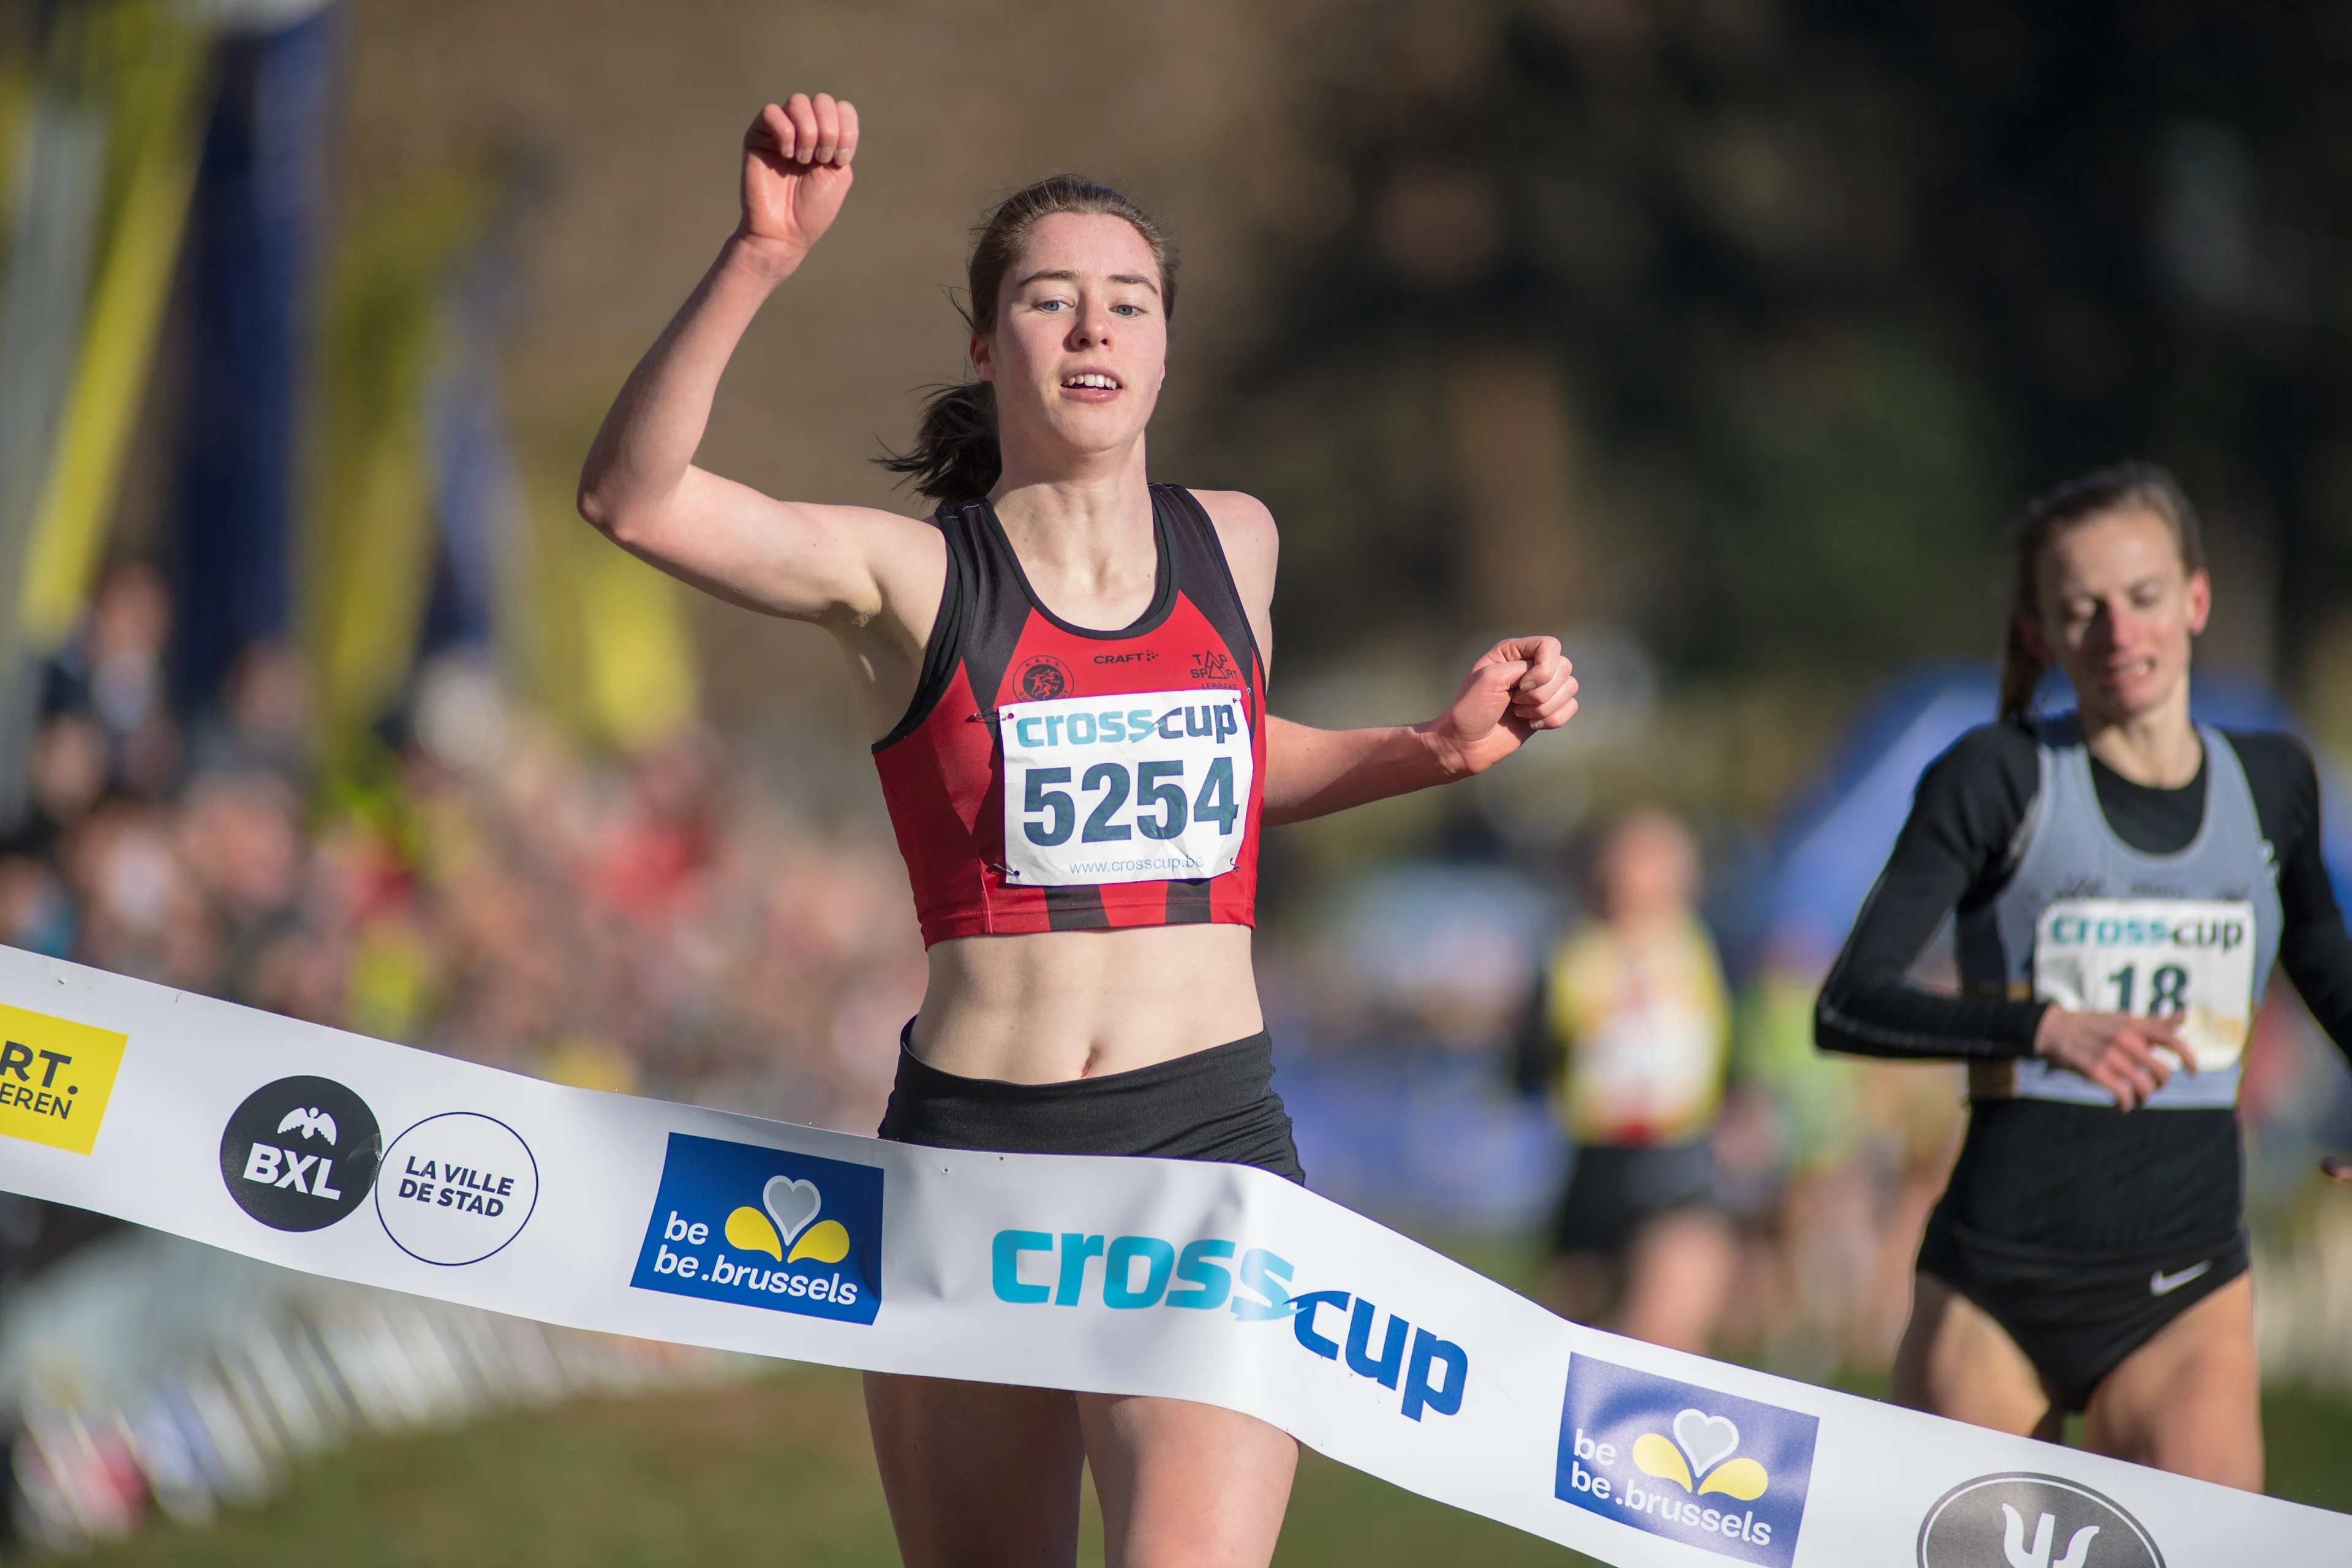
(1062, 275)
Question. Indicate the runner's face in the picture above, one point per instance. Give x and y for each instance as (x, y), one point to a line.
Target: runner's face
(1648, 871)
(2118, 611)
(1081, 340)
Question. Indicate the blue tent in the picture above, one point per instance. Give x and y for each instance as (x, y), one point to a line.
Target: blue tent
(1831, 846)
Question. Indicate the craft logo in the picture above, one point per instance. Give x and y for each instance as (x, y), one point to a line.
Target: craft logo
(1428, 1373)
(55, 1078)
(1042, 678)
(2025, 1521)
(765, 1227)
(456, 1188)
(300, 1154)
(1706, 1468)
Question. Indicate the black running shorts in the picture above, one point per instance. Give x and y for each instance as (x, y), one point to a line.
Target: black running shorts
(1218, 1104)
(2075, 1317)
(1615, 1189)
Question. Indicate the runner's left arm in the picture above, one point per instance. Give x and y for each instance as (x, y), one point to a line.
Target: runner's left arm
(2314, 947)
(1519, 687)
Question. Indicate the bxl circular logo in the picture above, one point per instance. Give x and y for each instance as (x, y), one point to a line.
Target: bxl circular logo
(300, 1154)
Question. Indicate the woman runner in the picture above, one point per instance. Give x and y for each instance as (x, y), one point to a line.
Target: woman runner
(1634, 999)
(1064, 672)
(2123, 878)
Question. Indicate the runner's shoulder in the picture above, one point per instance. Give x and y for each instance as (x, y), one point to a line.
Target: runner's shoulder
(1252, 546)
(1994, 767)
(2279, 773)
(1242, 521)
(2277, 755)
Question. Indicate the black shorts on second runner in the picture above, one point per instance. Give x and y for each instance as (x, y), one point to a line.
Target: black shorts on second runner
(2075, 1317)
(1217, 1104)
(1615, 1188)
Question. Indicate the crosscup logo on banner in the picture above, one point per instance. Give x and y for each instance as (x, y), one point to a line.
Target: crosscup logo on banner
(300, 1154)
(764, 1227)
(1709, 1469)
(55, 1077)
(1212, 1274)
(2027, 1520)
(456, 1188)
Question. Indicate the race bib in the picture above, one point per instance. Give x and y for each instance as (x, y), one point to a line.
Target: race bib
(1651, 1069)
(2153, 958)
(1151, 786)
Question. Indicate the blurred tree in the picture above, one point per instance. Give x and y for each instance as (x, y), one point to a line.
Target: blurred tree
(1823, 288)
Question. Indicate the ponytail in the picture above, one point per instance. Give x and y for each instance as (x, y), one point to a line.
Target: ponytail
(955, 456)
(2124, 486)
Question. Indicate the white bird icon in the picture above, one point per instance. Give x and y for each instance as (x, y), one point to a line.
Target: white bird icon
(310, 1121)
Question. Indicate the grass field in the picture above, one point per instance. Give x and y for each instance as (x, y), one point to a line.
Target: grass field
(777, 1471)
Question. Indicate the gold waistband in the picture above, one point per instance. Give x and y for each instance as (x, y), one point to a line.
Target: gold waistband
(1994, 1079)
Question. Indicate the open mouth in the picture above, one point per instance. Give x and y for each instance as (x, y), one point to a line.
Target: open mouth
(1091, 381)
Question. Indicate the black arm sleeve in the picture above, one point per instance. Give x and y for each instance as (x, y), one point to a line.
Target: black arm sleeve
(1954, 852)
(2314, 947)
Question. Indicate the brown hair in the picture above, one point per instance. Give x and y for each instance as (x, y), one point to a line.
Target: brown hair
(955, 456)
(2125, 486)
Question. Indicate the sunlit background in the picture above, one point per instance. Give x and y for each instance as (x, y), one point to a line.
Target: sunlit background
(1714, 336)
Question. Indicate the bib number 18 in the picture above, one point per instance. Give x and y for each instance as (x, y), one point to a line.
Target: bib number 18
(1149, 788)
(2170, 958)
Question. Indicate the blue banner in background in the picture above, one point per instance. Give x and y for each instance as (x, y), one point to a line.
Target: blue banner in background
(254, 232)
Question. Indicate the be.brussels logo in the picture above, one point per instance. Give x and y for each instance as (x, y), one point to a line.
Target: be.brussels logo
(765, 1227)
(1131, 1273)
(1709, 1469)
(2026, 1521)
(300, 1154)
(456, 1188)
(55, 1078)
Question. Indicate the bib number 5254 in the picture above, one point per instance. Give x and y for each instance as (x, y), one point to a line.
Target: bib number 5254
(1148, 788)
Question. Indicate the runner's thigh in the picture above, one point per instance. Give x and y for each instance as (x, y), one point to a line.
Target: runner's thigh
(2190, 1400)
(977, 1474)
(1955, 1361)
(1186, 1484)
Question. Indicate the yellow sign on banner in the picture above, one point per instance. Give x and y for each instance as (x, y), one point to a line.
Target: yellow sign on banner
(55, 1077)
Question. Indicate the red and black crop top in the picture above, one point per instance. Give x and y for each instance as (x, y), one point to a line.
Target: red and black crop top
(1131, 800)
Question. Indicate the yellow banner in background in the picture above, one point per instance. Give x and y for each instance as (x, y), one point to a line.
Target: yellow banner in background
(154, 85)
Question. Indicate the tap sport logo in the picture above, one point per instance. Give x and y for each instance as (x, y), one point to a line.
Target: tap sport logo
(765, 1227)
(2027, 1521)
(55, 1078)
(1706, 1469)
(300, 1153)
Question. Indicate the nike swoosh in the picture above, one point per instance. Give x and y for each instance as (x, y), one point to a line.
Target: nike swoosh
(2162, 1284)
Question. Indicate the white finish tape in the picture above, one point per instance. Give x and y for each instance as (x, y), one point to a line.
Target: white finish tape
(362, 1161)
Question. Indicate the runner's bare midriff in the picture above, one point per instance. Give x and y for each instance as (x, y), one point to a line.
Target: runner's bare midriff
(1049, 1007)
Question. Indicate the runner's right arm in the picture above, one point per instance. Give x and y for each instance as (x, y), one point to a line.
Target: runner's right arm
(1957, 851)
(841, 566)
(1965, 814)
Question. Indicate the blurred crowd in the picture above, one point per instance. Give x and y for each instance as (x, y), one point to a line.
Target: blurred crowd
(480, 887)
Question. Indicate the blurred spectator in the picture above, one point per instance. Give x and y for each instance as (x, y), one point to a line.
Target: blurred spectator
(113, 672)
(490, 891)
(1636, 1004)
